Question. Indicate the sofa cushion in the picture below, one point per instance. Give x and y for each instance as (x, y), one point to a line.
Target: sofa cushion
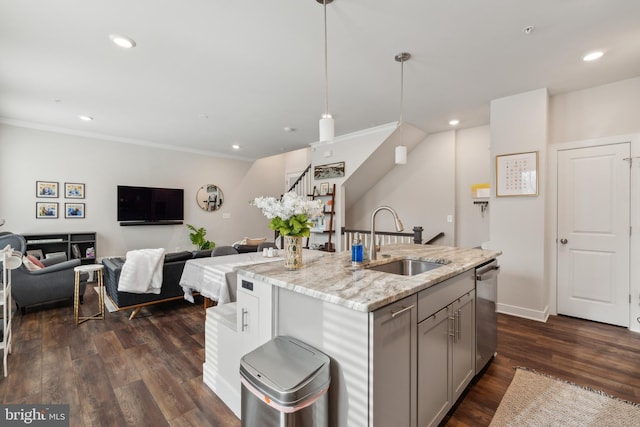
(178, 256)
(32, 263)
(202, 254)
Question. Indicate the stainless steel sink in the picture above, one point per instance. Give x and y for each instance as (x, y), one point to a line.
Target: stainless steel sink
(406, 267)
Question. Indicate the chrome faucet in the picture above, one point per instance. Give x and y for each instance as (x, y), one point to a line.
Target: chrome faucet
(373, 250)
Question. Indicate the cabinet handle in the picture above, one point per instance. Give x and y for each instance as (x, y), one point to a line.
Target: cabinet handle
(458, 324)
(245, 324)
(402, 310)
(452, 328)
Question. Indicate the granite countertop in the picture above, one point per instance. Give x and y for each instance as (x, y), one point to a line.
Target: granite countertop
(330, 276)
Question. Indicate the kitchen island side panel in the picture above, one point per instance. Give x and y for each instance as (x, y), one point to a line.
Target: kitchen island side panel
(343, 335)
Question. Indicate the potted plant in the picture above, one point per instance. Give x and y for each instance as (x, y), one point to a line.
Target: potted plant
(197, 238)
(290, 216)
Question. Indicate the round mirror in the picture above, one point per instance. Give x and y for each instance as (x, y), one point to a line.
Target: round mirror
(209, 197)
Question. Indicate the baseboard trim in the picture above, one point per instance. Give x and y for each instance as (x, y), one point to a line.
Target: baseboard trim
(527, 313)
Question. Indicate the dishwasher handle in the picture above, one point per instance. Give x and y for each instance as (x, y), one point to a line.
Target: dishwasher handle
(488, 271)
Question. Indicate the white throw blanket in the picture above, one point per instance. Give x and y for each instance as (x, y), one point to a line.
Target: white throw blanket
(142, 271)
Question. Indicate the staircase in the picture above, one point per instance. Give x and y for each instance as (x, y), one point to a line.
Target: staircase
(303, 185)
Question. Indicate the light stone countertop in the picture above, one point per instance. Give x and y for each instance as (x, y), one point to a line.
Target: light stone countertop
(330, 277)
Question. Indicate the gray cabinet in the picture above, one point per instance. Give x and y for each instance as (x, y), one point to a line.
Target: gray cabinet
(394, 367)
(446, 346)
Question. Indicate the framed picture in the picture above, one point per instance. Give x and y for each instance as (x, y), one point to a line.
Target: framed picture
(46, 210)
(331, 170)
(46, 189)
(73, 190)
(517, 174)
(324, 188)
(74, 210)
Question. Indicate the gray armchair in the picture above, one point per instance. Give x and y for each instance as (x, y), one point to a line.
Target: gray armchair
(52, 283)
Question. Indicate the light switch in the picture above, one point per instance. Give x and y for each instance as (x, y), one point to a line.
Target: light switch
(449, 218)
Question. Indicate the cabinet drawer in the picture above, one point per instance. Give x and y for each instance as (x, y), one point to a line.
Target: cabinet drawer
(439, 296)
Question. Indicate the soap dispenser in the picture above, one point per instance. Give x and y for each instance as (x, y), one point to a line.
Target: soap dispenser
(357, 251)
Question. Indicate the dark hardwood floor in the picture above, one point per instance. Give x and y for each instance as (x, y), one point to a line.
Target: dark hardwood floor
(148, 371)
(117, 372)
(590, 354)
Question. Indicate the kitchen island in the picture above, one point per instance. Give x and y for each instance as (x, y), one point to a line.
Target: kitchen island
(367, 322)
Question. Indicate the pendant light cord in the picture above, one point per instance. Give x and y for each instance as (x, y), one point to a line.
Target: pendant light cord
(401, 90)
(326, 67)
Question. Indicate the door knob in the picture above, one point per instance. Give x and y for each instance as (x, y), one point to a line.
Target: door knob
(564, 241)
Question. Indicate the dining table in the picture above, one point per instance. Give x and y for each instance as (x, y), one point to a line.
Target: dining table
(215, 278)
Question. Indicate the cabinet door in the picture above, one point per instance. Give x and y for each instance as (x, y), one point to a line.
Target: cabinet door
(434, 367)
(248, 315)
(254, 313)
(464, 344)
(394, 368)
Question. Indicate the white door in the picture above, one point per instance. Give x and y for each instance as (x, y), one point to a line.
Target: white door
(593, 233)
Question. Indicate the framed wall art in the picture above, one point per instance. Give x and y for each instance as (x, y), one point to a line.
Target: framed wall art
(331, 170)
(73, 190)
(46, 189)
(517, 174)
(74, 210)
(46, 210)
(324, 188)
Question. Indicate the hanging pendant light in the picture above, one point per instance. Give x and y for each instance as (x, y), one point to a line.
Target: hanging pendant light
(401, 150)
(327, 129)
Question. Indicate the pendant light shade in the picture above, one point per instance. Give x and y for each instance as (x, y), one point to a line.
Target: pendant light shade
(327, 128)
(401, 150)
(401, 154)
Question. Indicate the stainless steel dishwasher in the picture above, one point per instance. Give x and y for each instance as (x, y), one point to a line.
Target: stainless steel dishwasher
(486, 315)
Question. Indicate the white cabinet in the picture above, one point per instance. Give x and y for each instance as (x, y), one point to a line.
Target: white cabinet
(446, 347)
(254, 313)
(233, 330)
(394, 367)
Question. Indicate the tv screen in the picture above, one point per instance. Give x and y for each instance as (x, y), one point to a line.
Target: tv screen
(148, 204)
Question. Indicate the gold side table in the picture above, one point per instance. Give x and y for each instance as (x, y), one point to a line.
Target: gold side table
(98, 268)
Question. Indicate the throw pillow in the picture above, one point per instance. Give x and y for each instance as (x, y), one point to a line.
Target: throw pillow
(32, 263)
(254, 242)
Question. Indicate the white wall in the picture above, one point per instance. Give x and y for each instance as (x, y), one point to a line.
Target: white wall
(422, 191)
(517, 224)
(473, 166)
(607, 110)
(353, 149)
(28, 155)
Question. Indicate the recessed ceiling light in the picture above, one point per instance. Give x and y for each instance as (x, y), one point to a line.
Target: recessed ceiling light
(85, 118)
(122, 41)
(235, 146)
(454, 122)
(289, 129)
(592, 56)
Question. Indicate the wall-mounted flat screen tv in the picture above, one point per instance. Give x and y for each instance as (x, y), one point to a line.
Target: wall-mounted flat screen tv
(150, 205)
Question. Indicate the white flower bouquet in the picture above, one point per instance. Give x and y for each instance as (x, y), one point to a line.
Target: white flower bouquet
(290, 215)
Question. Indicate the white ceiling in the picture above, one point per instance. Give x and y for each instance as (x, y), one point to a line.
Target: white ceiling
(253, 68)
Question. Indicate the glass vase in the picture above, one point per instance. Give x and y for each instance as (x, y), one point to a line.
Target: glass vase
(292, 252)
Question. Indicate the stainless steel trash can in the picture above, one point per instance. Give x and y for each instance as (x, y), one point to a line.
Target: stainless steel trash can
(284, 383)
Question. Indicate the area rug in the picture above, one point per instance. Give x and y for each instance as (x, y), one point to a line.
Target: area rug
(107, 302)
(535, 399)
